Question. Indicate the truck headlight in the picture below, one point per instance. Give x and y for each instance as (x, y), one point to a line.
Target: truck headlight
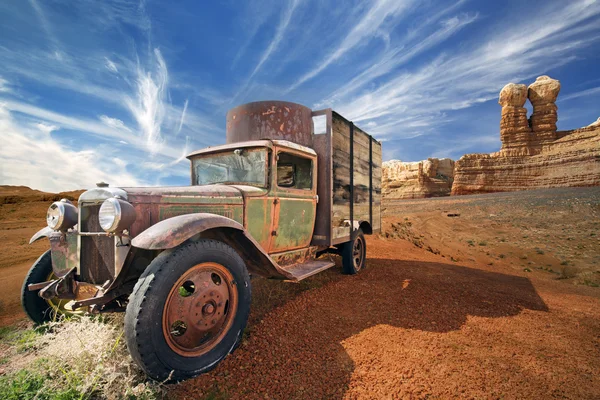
(61, 215)
(116, 215)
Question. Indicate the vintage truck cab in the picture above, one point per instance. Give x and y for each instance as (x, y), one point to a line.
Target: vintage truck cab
(178, 260)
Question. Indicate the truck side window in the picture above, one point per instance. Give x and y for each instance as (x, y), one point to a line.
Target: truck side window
(294, 171)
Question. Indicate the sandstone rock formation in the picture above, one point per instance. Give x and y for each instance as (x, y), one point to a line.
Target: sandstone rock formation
(514, 126)
(533, 153)
(409, 180)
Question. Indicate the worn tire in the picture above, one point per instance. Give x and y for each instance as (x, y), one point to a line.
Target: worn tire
(144, 315)
(349, 265)
(37, 308)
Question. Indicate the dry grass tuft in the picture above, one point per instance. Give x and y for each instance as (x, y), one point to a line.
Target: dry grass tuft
(568, 272)
(81, 358)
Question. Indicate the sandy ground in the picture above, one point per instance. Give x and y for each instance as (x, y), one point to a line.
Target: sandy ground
(414, 325)
(554, 232)
(436, 314)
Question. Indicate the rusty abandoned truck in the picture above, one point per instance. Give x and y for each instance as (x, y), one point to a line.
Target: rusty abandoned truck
(178, 260)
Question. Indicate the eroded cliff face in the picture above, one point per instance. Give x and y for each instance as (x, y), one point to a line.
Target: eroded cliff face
(533, 154)
(410, 180)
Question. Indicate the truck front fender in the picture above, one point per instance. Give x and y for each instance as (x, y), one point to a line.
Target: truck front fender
(44, 232)
(174, 231)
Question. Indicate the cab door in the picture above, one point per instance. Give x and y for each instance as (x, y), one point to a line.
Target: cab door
(293, 191)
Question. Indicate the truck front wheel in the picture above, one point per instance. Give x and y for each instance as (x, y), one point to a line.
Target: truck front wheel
(354, 253)
(188, 310)
(40, 310)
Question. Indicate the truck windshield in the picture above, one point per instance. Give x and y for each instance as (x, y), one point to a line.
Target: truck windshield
(243, 166)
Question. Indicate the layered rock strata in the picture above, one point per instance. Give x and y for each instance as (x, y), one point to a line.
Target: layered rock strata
(533, 153)
(410, 180)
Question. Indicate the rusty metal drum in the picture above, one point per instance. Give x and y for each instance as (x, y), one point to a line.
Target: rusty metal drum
(280, 120)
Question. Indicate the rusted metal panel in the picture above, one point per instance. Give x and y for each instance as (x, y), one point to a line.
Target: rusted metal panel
(295, 147)
(290, 257)
(270, 120)
(172, 232)
(293, 223)
(215, 192)
(63, 248)
(96, 253)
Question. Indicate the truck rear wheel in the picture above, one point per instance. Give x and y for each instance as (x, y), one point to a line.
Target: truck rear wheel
(354, 253)
(188, 310)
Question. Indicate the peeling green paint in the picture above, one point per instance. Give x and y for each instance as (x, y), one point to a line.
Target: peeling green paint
(259, 219)
(295, 226)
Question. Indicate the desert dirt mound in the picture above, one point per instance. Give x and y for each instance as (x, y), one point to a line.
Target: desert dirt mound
(24, 194)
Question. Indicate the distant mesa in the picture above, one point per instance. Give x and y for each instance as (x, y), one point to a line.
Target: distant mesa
(410, 180)
(533, 154)
(24, 194)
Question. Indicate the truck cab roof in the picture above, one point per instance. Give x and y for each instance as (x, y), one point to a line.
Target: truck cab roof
(254, 143)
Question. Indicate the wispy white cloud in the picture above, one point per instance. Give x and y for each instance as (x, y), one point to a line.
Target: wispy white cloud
(582, 93)
(46, 128)
(49, 31)
(255, 16)
(449, 150)
(404, 52)
(475, 74)
(114, 123)
(4, 86)
(286, 17)
(182, 119)
(33, 158)
(148, 106)
(365, 29)
(282, 26)
(89, 126)
(111, 66)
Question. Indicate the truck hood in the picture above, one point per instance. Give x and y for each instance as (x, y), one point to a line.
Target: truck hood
(201, 194)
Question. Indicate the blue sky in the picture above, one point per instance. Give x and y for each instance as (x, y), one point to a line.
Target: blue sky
(121, 91)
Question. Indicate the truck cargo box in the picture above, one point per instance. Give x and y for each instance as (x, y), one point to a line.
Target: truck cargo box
(349, 181)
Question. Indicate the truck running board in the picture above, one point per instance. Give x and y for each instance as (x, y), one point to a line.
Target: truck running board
(309, 268)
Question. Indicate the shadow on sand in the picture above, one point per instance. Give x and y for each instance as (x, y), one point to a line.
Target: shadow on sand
(300, 343)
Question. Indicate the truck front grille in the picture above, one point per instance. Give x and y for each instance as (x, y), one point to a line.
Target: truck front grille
(97, 253)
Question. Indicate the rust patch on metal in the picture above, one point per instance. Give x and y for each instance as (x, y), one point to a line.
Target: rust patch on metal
(270, 120)
(64, 252)
(299, 256)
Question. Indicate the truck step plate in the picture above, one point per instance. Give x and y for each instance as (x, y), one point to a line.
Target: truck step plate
(309, 268)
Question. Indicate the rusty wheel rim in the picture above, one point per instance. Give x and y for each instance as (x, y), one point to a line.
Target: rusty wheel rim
(358, 253)
(200, 309)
